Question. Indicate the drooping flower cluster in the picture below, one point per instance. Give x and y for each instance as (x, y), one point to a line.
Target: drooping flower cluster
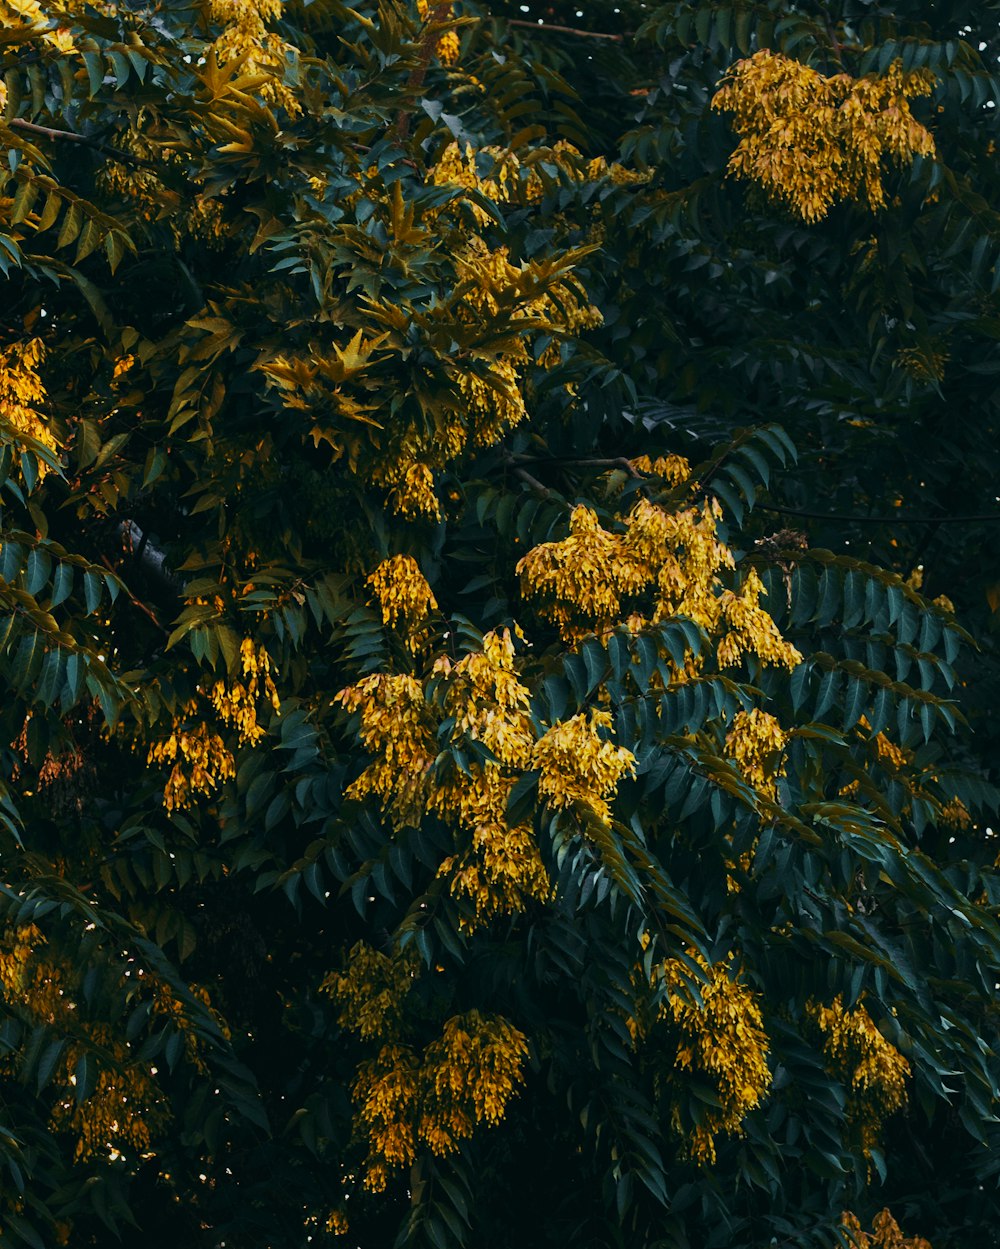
(22, 393)
(721, 1040)
(668, 563)
(885, 1233)
(410, 1097)
(755, 741)
(236, 702)
(201, 763)
(873, 1070)
(811, 141)
(579, 766)
(402, 591)
(499, 868)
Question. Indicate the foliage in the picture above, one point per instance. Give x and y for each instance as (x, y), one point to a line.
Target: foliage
(439, 804)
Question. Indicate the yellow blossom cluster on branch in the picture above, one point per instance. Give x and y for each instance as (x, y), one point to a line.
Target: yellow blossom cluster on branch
(408, 1097)
(236, 701)
(668, 563)
(578, 765)
(201, 763)
(885, 1233)
(755, 741)
(873, 1070)
(403, 593)
(719, 1039)
(463, 1078)
(811, 140)
(261, 52)
(22, 393)
(499, 867)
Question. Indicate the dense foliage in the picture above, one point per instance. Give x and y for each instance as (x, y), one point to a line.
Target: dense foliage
(490, 752)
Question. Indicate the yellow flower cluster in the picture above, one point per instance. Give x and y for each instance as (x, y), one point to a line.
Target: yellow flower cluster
(672, 559)
(201, 762)
(447, 47)
(463, 1078)
(721, 1040)
(497, 867)
(236, 702)
(125, 1108)
(754, 740)
(751, 630)
(500, 867)
(397, 728)
(873, 1070)
(580, 767)
(885, 1233)
(22, 393)
(810, 140)
(371, 990)
(245, 38)
(16, 14)
(402, 592)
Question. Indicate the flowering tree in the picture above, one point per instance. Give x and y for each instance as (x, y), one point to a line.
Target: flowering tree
(438, 803)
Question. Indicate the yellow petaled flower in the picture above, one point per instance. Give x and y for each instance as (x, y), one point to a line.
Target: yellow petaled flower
(402, 592)
(674, 469)
(201, 762)
(873, 1070)
(752, 630)
(755, 739)
(810, 141)
(372, 989)
(398, 730)
(436, 1099)
(500, 868)
(245, 38)
(22, 393)
(578, 582)
(579, 766)
(722, 1041)
(236, 701)
(885, 1233)
(336, 1223)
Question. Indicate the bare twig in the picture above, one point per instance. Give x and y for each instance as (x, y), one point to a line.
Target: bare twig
(439, 13)
(879, 520)
(136, 602)
(71, 136)
(616, 462)
(564, 30)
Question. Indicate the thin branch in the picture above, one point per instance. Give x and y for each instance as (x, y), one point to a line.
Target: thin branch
(616, 462)
(879, 520)
(136, 602)
(71, 136)
(563, 30)
(438, 14)
(533, 482)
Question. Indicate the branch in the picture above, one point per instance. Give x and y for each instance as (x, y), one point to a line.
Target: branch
(616, 462)
(564, 30)
(149, 557)
(879, 520)
(71, 136)
(437, 15)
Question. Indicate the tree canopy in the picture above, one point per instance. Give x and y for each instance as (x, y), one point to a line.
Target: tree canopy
(497, 627)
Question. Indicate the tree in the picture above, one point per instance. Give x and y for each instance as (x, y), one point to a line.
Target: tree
(440, 802)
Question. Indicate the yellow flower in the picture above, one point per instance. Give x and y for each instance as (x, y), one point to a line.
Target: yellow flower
(810, 141)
